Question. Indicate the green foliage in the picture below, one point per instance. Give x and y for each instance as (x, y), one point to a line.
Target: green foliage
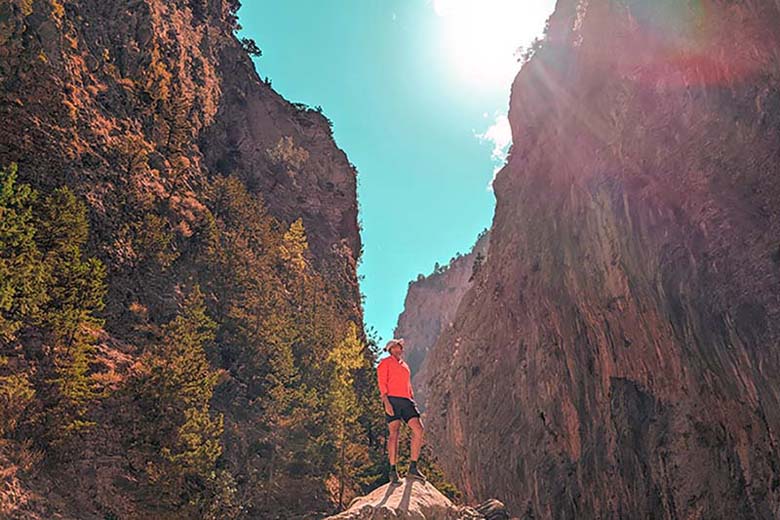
(22, 272)
(221, 500)
(251, 48)
(281, 336)
(346, 357)
(294, 247)
(46, 283)
(77, 285)
(61, 222)
(197, 445)
(153, 243)
(174, 388)
(76, 291)
(179, 376)
(16, 394)
(75, 392)
(274, 324)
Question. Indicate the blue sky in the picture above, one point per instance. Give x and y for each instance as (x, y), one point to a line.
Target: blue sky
(418, 92)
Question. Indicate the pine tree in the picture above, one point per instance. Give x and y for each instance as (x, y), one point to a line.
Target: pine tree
(185, 376)
(279, 319)
(154, 244)
(295, 247)
(77, 285)
(76, 288)
(22, 272)
(175, 389)
(346, 357)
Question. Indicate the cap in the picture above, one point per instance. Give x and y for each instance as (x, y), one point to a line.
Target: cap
(394, 341)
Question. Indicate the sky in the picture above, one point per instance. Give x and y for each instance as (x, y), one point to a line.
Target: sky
(418, 92)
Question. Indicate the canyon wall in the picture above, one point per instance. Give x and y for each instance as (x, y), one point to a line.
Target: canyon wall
(430, 306)
(617, 356)
(136, 102)
(194, 173)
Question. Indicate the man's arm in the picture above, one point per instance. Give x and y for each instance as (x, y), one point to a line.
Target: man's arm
(382, 375)
(411, 392)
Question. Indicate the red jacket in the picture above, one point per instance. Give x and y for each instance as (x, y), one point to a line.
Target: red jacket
(394, 378)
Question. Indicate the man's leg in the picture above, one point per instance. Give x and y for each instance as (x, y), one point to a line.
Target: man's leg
(418, 431)
(392, 440)
(417, 438)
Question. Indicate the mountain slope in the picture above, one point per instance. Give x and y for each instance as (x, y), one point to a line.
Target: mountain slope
(226, 220)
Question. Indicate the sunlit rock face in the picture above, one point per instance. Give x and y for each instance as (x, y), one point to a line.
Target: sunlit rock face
(618, 355)
(429, 308)
(138, 106)
(129, 101)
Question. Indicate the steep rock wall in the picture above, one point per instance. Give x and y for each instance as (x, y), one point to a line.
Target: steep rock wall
(137, 103)
(139, 106)
(430, 306)
(618, 355)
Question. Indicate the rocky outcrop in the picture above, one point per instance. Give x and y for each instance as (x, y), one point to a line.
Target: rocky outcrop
(430, 306)
(415, 500)
(136, 104)
(617, 356)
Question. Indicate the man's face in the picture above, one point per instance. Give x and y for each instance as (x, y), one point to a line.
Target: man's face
(397, 350)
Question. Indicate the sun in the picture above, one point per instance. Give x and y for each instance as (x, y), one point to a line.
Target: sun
(482, 36)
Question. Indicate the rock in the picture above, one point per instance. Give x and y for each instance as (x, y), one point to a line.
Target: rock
(620, 356)
(492, 509)
(161, 79)
(138, 106)
(429, 309)
(415, 500)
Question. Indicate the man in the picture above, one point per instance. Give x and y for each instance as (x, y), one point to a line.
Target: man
(395, 387)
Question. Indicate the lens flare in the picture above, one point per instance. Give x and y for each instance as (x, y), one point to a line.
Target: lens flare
(687, 43)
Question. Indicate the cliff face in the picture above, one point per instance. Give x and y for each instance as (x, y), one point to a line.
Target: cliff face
(136, 103)
(617, 357)
(430, 306)
(285, 151)
(142, 108)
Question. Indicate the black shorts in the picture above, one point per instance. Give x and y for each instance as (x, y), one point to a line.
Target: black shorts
(403, 407)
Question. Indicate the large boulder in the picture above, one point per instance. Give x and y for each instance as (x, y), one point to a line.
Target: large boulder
(416, 500)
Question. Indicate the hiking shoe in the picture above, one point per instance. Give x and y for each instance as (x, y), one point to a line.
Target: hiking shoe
(395, 478)
(415, 473)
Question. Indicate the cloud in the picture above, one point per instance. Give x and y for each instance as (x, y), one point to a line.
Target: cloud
(500, 135)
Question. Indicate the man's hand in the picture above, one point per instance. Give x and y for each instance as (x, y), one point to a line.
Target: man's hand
(388, 407)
